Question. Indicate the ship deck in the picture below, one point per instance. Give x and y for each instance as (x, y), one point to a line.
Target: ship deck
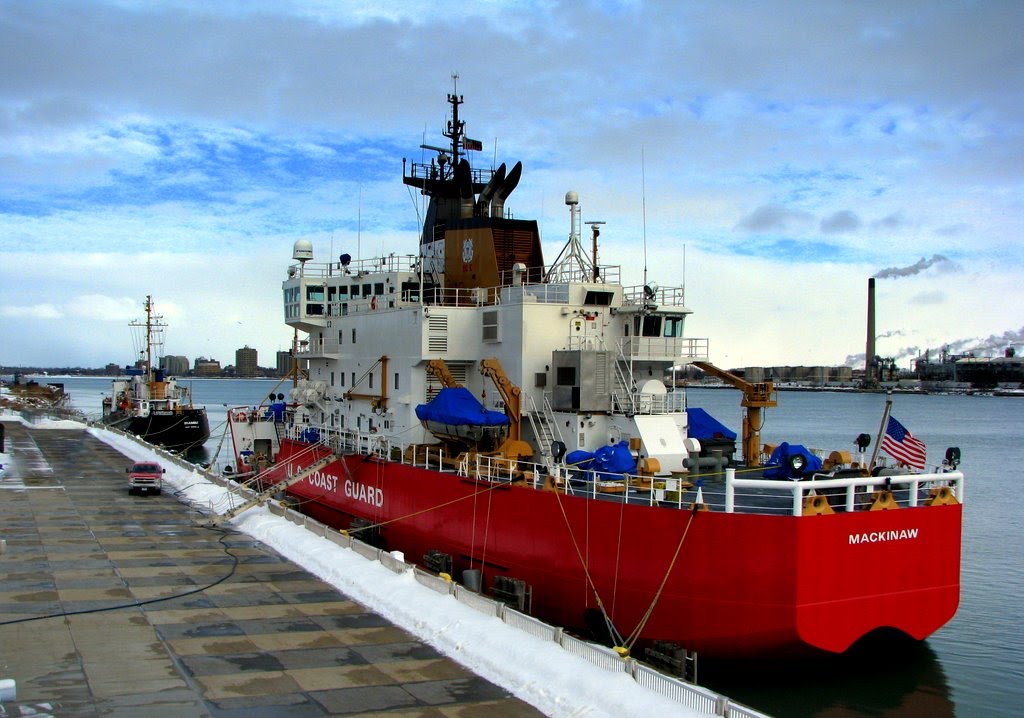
(237, 629)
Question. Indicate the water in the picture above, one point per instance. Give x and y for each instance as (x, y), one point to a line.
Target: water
(974, 666)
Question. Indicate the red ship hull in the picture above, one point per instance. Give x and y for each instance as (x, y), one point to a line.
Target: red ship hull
(737, 586)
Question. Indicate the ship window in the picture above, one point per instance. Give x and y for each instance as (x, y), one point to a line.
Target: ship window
(332, 378)
(355, 291)
(673, 326)
(341, 379)
(353, 379)
(353, 335)
(371, 379)
(565, 376)
(340, 335)
(366, 289)
(396, 380)
(597, 298)
(651, 326)
(411, 291)
(378, 288)
(489, 322)
(343, 293)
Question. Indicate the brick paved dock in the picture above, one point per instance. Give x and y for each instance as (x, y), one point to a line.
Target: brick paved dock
(243, 632)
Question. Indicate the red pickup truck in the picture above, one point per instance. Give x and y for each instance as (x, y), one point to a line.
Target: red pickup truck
(145, 476)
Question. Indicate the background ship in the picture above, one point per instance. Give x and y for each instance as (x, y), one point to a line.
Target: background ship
(152, 405)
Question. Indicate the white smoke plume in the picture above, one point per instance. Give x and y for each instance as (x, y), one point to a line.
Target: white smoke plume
(857, 360)
(919, 266)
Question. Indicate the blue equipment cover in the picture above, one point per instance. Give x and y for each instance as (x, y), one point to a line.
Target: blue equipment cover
(705, 426)
(615, 459)
(456, 406)
(781, 464)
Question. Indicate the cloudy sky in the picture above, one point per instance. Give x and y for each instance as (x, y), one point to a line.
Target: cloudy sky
(771, 156)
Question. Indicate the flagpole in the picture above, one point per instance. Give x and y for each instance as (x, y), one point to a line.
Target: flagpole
(881, 429)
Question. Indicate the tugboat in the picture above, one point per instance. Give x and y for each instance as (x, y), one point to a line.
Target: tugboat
(152, 405)
(504, 421)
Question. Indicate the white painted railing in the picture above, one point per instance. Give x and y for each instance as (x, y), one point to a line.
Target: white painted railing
(798, 490)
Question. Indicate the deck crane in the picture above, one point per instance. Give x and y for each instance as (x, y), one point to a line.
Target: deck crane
(511, 395)
(756, 396)
(437, 368)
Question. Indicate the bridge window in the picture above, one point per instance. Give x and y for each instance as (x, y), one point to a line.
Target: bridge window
(648, 326)
(596, 298)
(673, 326)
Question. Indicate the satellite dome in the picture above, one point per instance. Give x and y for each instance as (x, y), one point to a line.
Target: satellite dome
(303, 250)
(572, 198)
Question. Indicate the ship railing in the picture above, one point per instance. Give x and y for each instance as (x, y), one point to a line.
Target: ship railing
(843, 493)
(648, 403)
(653, 294)
(575, 274)
(357, 268)
(539, 293)
(670, 348)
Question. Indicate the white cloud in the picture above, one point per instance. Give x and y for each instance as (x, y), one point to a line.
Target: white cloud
(35, 311)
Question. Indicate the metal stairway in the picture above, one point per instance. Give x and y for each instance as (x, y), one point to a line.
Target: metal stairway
(544, 427)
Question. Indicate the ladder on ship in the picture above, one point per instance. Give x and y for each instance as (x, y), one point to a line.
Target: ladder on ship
(544, 427)
(624, 397)
(260, 498)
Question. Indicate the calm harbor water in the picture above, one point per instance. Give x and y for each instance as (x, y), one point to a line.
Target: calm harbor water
(974, 666)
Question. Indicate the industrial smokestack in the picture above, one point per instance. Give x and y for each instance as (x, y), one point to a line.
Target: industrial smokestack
(869, 350)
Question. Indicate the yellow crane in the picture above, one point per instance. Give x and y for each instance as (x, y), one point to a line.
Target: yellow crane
(437, 368)
(756, 396)
(514, 447)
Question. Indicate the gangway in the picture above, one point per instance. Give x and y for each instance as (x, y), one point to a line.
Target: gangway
(260, 498)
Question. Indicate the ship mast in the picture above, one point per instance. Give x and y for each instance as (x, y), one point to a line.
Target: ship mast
(149, 336)
(153, 325)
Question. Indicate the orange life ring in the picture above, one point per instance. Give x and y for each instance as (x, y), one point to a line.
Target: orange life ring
(373, 303)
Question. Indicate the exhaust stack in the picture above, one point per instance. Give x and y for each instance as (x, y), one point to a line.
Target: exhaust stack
(869, 349)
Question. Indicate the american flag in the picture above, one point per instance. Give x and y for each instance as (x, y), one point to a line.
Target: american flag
(901, 445)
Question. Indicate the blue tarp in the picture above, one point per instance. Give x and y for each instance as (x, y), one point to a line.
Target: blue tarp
(275, 411)
(456, 406)
(704, 426)
(779, 464)
(611, 459)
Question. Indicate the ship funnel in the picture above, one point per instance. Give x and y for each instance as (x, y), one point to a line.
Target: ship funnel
(484, 199)
(464, 183)
(503, 191)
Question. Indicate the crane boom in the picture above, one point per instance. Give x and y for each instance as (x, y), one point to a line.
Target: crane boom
(756, 396)
(439, 369)
(511, 395)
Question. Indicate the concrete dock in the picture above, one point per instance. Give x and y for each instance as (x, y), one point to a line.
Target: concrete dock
(118, 605)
